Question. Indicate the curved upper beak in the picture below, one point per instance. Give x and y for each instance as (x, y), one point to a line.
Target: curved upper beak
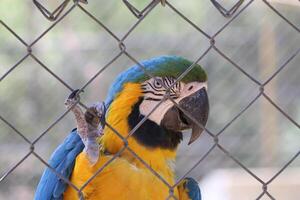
(196, 106)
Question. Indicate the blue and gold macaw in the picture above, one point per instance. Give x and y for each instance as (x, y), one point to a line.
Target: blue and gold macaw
(132, 97)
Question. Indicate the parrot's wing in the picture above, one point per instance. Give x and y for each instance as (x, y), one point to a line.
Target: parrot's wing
(51, 187)
(189, 190)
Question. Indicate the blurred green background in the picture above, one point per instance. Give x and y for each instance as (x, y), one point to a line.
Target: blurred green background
(76, 48)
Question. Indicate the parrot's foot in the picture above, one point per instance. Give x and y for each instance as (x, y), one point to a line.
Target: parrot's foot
(82, 125)
(95, 113)
(87, 125)
(163, 2)
(93, 116)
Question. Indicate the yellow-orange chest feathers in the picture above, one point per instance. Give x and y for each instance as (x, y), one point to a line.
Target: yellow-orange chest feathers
(125, 176)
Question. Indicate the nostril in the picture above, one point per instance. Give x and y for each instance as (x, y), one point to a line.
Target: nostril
(190, 88)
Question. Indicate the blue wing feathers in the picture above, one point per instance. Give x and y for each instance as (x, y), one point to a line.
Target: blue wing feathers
(193, 189)
(51, 187)
(189, 189)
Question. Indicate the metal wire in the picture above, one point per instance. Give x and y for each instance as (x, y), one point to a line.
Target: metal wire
(61, 12)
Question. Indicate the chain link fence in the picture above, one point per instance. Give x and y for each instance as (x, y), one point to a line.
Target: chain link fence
(232, 14)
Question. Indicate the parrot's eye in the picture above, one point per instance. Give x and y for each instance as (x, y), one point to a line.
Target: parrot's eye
(157, 83)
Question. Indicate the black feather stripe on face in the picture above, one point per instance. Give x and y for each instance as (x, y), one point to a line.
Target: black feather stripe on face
(151, 134)
(155, 87)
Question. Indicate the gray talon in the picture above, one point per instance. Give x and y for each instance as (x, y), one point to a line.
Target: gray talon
(72, 99)
(74, 94)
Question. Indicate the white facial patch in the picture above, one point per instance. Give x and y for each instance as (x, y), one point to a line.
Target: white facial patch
(154, 92)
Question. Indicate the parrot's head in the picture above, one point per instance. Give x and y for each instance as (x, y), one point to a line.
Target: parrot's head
(135, 95)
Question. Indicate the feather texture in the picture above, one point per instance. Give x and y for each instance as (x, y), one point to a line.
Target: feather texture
(51, 187)
(189, 190)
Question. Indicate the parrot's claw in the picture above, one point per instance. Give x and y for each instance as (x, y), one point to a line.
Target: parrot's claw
(72, 99)
(87, 125)
(74, 94)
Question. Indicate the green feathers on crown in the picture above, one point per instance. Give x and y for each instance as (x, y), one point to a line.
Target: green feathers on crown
(169, 66)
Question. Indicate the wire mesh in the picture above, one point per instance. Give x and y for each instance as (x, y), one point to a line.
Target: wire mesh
(233, 14)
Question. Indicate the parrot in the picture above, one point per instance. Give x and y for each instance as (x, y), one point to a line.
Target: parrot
(122, 157)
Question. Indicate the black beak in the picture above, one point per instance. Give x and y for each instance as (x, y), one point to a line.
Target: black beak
(197, 106)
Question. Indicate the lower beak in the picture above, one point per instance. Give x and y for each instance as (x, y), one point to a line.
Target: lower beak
(196, 106)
